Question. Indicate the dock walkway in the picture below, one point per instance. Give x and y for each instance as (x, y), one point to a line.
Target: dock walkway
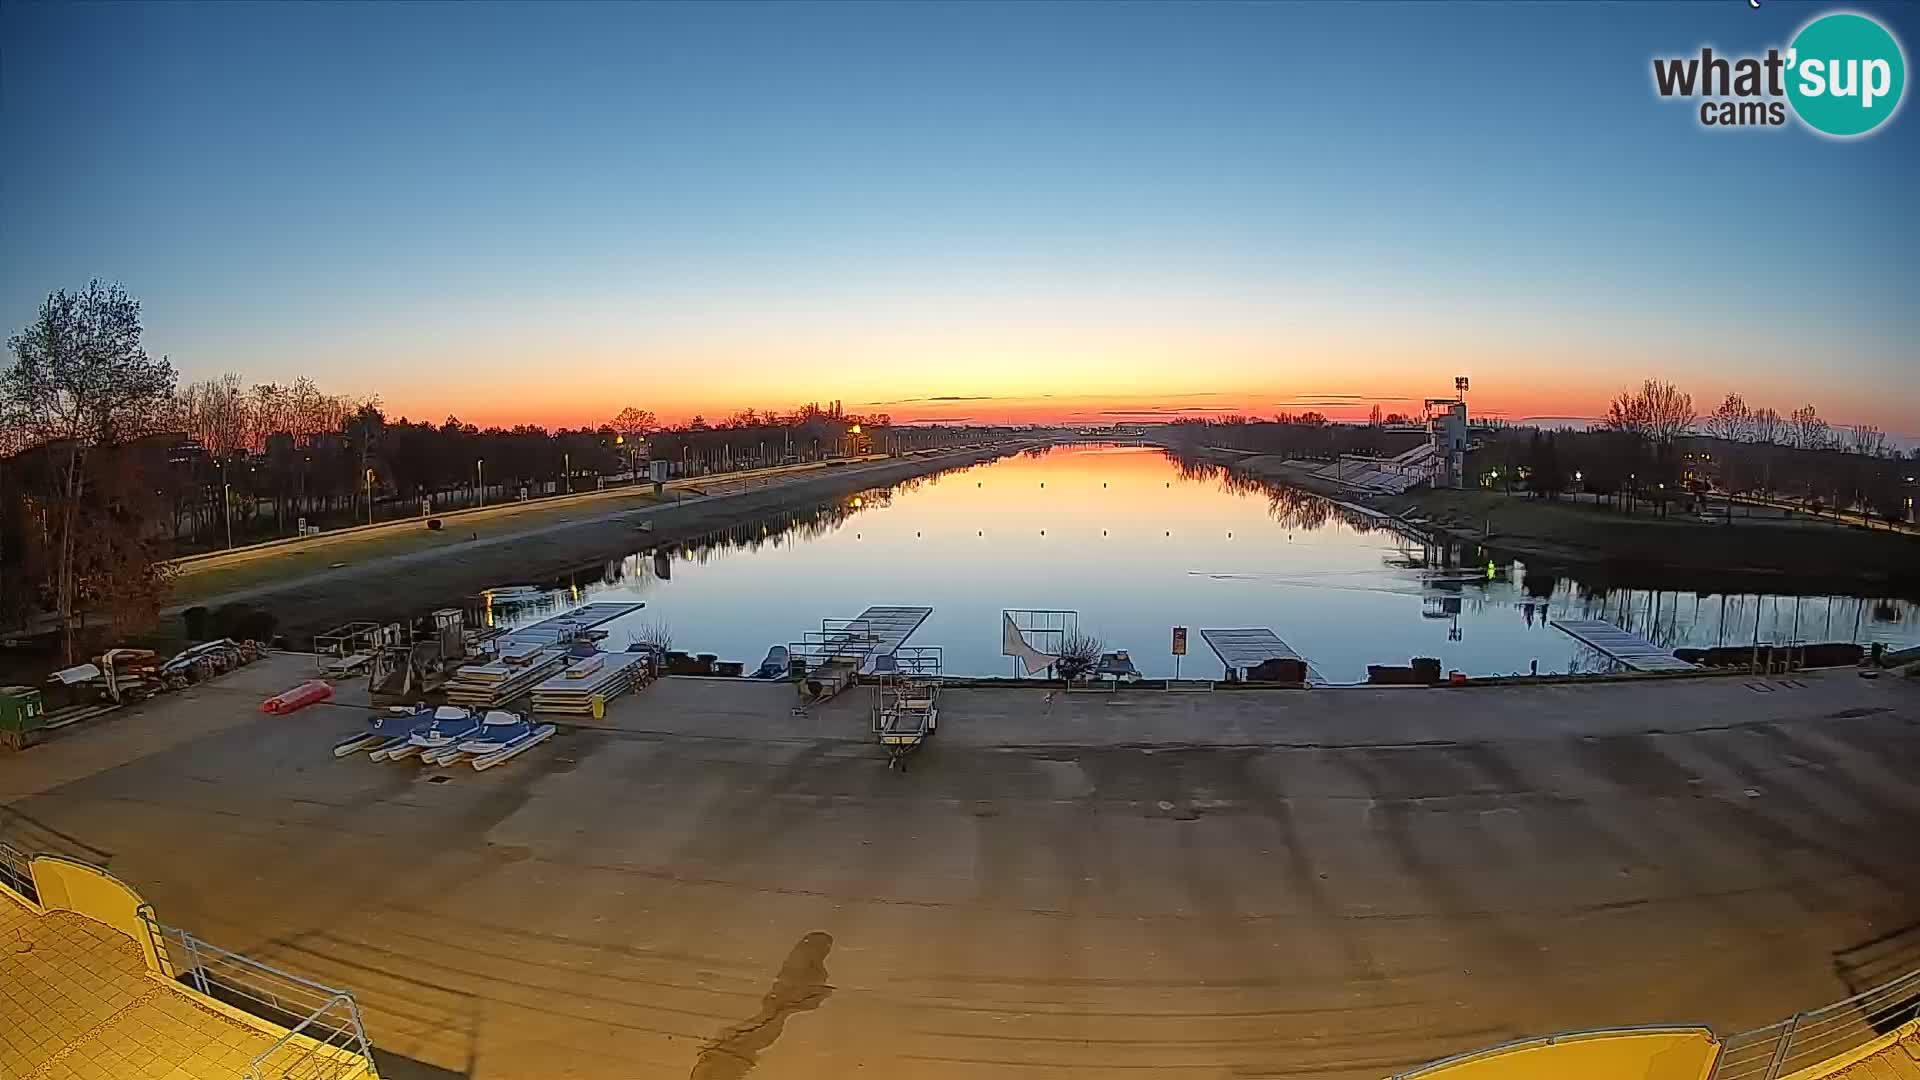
(1245, 649)
(1627, 647)
(561, 628)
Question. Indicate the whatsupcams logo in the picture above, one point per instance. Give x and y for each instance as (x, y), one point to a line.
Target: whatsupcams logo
(1843, 75)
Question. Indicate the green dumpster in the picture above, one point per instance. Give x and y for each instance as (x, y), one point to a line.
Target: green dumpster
(22, 710)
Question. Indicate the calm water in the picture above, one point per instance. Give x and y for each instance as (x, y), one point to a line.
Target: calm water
(1134, 546)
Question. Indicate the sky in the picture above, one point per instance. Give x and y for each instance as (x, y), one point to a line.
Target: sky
(1027, 212)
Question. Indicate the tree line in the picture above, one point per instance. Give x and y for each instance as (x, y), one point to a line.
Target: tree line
(109, 467)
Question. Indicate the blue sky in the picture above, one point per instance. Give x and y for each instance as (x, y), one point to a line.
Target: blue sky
(533, 212)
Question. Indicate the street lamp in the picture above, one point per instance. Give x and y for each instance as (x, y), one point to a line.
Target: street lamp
(567, 467)
(480, 478)
(369, 496)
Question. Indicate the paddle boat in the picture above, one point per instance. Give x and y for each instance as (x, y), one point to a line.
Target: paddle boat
(448, 725)
(502, 736)
(394, 725)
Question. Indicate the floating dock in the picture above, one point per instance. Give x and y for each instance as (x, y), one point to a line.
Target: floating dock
(865, 642)
(1244, 650)
(563, 628)
(888, 629)
(1624, 646)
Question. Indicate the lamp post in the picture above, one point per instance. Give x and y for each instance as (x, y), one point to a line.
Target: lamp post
(226, 490)
(369, 496)
(480, 478)
(567, 467)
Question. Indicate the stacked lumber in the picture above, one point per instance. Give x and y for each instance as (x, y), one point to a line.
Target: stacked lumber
(603, 675)
(487, 686)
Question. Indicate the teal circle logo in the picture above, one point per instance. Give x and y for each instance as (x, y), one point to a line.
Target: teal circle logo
(1845, 74)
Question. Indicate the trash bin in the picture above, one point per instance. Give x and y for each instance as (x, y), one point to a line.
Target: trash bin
(23, 710)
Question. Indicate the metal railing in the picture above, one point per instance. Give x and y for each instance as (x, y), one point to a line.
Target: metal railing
(1811, 1037)
(1550, 1040)
(325, 1037)
(16, 874)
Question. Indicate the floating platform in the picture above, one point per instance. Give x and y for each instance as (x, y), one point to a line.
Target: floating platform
(612, 674)
(1625, 646)
(844, 649)
(1246, 650)
(886, 629)
(567, 626)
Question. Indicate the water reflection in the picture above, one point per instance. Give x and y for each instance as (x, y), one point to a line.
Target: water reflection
(1136, 542)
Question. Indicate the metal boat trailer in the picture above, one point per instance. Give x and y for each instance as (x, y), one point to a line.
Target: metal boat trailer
(906, 706)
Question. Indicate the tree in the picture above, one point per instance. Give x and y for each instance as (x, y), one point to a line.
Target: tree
(1373, 417)
(1545, 476)
(1808, 429)
(363, 431)
(81, 379)
(1658, 411)
(632, 422)
(1078, 654)
(1731, 420)
(1766, 426)
(1867, 439)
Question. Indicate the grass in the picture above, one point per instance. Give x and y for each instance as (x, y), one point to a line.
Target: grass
(194, 585)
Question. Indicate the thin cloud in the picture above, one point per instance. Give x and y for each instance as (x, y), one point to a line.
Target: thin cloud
(936, 397)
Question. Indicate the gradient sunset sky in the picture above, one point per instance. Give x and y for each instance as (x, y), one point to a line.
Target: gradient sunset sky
(1023, 211)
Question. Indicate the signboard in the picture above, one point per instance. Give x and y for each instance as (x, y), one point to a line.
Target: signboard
(657, 470)
(1179, 641)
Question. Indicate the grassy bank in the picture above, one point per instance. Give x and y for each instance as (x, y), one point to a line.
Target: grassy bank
(406, 575)
(1605, 546)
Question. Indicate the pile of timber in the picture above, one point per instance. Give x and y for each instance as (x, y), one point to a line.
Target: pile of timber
(487, 686)
(602, 675)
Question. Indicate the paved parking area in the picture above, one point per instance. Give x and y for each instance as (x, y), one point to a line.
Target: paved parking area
(1330, 883)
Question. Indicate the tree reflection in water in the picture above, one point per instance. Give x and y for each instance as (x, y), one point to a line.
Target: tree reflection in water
(1291, 507)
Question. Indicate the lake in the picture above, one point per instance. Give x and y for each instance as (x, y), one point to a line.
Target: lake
(1134, 544)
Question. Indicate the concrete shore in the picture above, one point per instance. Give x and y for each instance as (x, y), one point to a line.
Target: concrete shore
(1331, 883)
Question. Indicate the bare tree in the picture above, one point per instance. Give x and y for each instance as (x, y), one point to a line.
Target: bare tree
(1867, 439)
(80, 378)
(1658, 411)
(1079, 652)
(1809, 431)
(1766, 426)
(1731, 420)
(656, 635)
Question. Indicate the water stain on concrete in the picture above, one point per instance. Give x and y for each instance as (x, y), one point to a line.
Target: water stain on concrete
(800, 986)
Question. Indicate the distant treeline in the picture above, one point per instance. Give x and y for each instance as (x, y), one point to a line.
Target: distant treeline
(1652, 447)
(108, 467)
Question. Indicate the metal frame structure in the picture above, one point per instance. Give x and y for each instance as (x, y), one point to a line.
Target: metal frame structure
(325, 1036)
(1043, 629)
(912, 675)
(344, 642)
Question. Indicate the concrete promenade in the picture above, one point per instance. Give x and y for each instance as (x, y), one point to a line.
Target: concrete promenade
(1326, 883)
